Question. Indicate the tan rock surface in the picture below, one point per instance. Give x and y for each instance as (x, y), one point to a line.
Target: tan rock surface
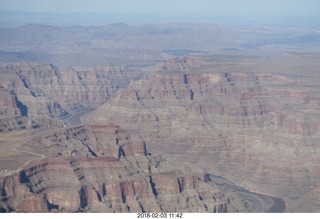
(192, 136)
(45, 94)
(112, 171)
(257, 129)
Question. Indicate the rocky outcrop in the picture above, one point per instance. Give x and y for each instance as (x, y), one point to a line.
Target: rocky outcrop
(110, 169)
(153, 146)
(31, 90)
(8, 104)
(94, 141)
(258, 129)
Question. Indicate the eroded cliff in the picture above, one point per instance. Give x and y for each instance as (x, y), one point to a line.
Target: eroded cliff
(172, 141)
(42, 95)
(108, 169)
(258, 129)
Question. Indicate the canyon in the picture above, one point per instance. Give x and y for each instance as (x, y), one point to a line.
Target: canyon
(35, 95)
(253, 129)
(197, 131)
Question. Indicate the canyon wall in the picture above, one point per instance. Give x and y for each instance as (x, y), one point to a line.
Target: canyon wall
(108, 169)
(153, 143)
(258, 129)
(41, 95)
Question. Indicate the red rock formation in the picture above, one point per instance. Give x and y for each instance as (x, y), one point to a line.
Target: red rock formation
(151, 146)
(44, 90)
(255, 128)
(107, 179)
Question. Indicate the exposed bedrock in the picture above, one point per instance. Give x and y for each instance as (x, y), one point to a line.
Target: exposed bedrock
(32, 90)
(257, 129)
(156, 144)
(112, 170)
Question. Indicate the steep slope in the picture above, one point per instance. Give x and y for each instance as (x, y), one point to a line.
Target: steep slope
(199, 134)
(34, 93)
(108, 169)
(258, 129)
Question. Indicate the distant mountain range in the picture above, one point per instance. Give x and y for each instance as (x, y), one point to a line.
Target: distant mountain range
(120, 43)
(18, 18)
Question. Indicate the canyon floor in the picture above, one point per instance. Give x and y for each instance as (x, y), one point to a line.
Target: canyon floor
(232, 127)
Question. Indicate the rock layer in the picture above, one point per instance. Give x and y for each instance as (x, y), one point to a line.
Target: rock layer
(258, 129)
(156, 143)
(111, 170)
(32, 91)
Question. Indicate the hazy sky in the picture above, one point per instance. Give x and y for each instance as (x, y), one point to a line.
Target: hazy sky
(170, 7)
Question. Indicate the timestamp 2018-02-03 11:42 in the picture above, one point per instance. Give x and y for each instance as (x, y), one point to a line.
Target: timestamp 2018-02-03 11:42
(159, 215)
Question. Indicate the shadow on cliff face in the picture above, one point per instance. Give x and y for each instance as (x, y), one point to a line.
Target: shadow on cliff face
(51, 206)
(24, 179)
(23, 108)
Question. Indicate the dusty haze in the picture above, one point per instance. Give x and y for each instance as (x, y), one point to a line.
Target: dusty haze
(162, 117)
